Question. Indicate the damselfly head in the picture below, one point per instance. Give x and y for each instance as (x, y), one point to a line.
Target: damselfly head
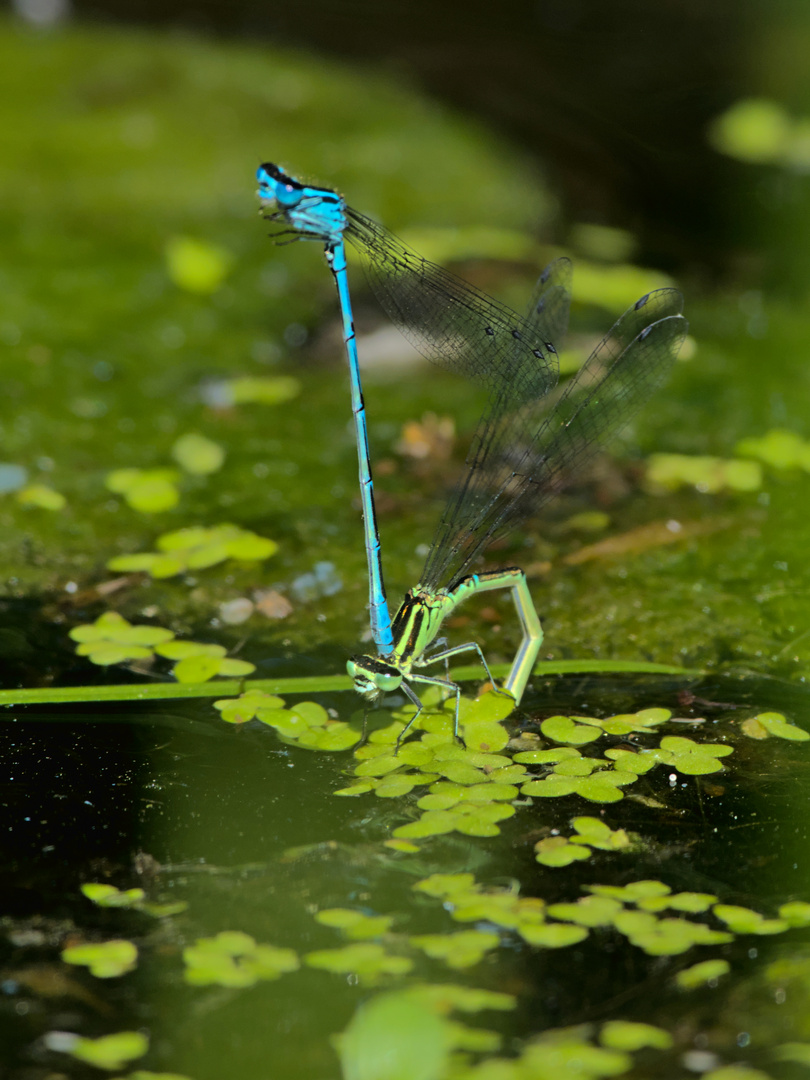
(276, 186)
(373, 677)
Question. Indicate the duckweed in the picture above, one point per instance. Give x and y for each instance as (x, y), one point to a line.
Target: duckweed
(706, 972)
(624, 1035)
(196, 548)
(743, 920)
(369, 962)
(105, 960)
(108, 1052)
(234, 959)
(461, 950)
(774, 725)
(669, 472)
(149, 491)
(354, 924)
(197, 454)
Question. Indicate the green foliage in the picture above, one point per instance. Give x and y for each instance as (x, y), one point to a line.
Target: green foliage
(149, 491)
(197, 266)
(105, 960)
(778, 449)
(694, 759)
(233, 959)
(743, 920)
(42, 497)
(624, 1035)
(262, 390)
(196, 548)
(462, 950)
(706, 972)
(772, 725)
(669, 472)
(109, 1052)
(113, 640)
(108, 896)
(369, 962)
(197, 454)
(395, 1036)
(354, 924)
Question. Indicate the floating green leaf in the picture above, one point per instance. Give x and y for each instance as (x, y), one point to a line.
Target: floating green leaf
(448, 997)
(743, 920)
(597, 834)
(109, 1052)
(552, 935)
(564, 729)
(240, 709)
(109, 896)
(42, 497)
(196, 548)
(624, 1035)
(795, 913)
(197, 265)
(708, 971)
(780, 449)
(267, 390)
(461, 950)
(198, 455)
(149, 491)
(234, 959)
(368, 961)
(558, 851)
(735, 1072)
(694, 759)
(105, 960)
(776, 725)
(668, 472)
(354, 924)
(793, 1051)
(588, 911)
(394, 1036)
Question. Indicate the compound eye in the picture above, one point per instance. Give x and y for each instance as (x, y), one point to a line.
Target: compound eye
(387, 683)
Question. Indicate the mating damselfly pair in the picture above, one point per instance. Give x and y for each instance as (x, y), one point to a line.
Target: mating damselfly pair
(523, 450)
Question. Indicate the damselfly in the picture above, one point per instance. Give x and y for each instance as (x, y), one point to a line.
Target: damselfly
(524, 449)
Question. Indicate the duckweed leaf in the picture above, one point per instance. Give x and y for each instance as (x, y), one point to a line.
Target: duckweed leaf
(775, 724)
(476, 1040)
(488, 708)
(795, 913)
(234, 959)
(565, 1056)
(109, 1052)
(394, 1036)
(368, 961)
(742, 920)
(485, 737)
(198, 455)
(694, 759)
(552, 935)
(708, 971)
(596, 833)
(563, 729)
(780, 449)
(42, 497)
(267, 390)
(448, 997)
(247, 706)
(105, 960)
(665, 937)
(693, 903)
(395, 785)
(638, 761)
(635, 891)
(668, 472)
(552, 787)
(795, 1051)
(461, 950)
(197, 669)
(588, 911)
(557, 851)
(546, 757)
(624, 1035)
(149, 491)
(197, 548)
(355, 924)
(197, 265)
(735, 1072)
(447, 885)
(109, 896)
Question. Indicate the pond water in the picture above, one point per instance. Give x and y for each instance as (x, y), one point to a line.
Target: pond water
(207, 891)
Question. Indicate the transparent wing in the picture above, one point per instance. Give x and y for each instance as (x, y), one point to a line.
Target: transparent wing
(519, 458)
